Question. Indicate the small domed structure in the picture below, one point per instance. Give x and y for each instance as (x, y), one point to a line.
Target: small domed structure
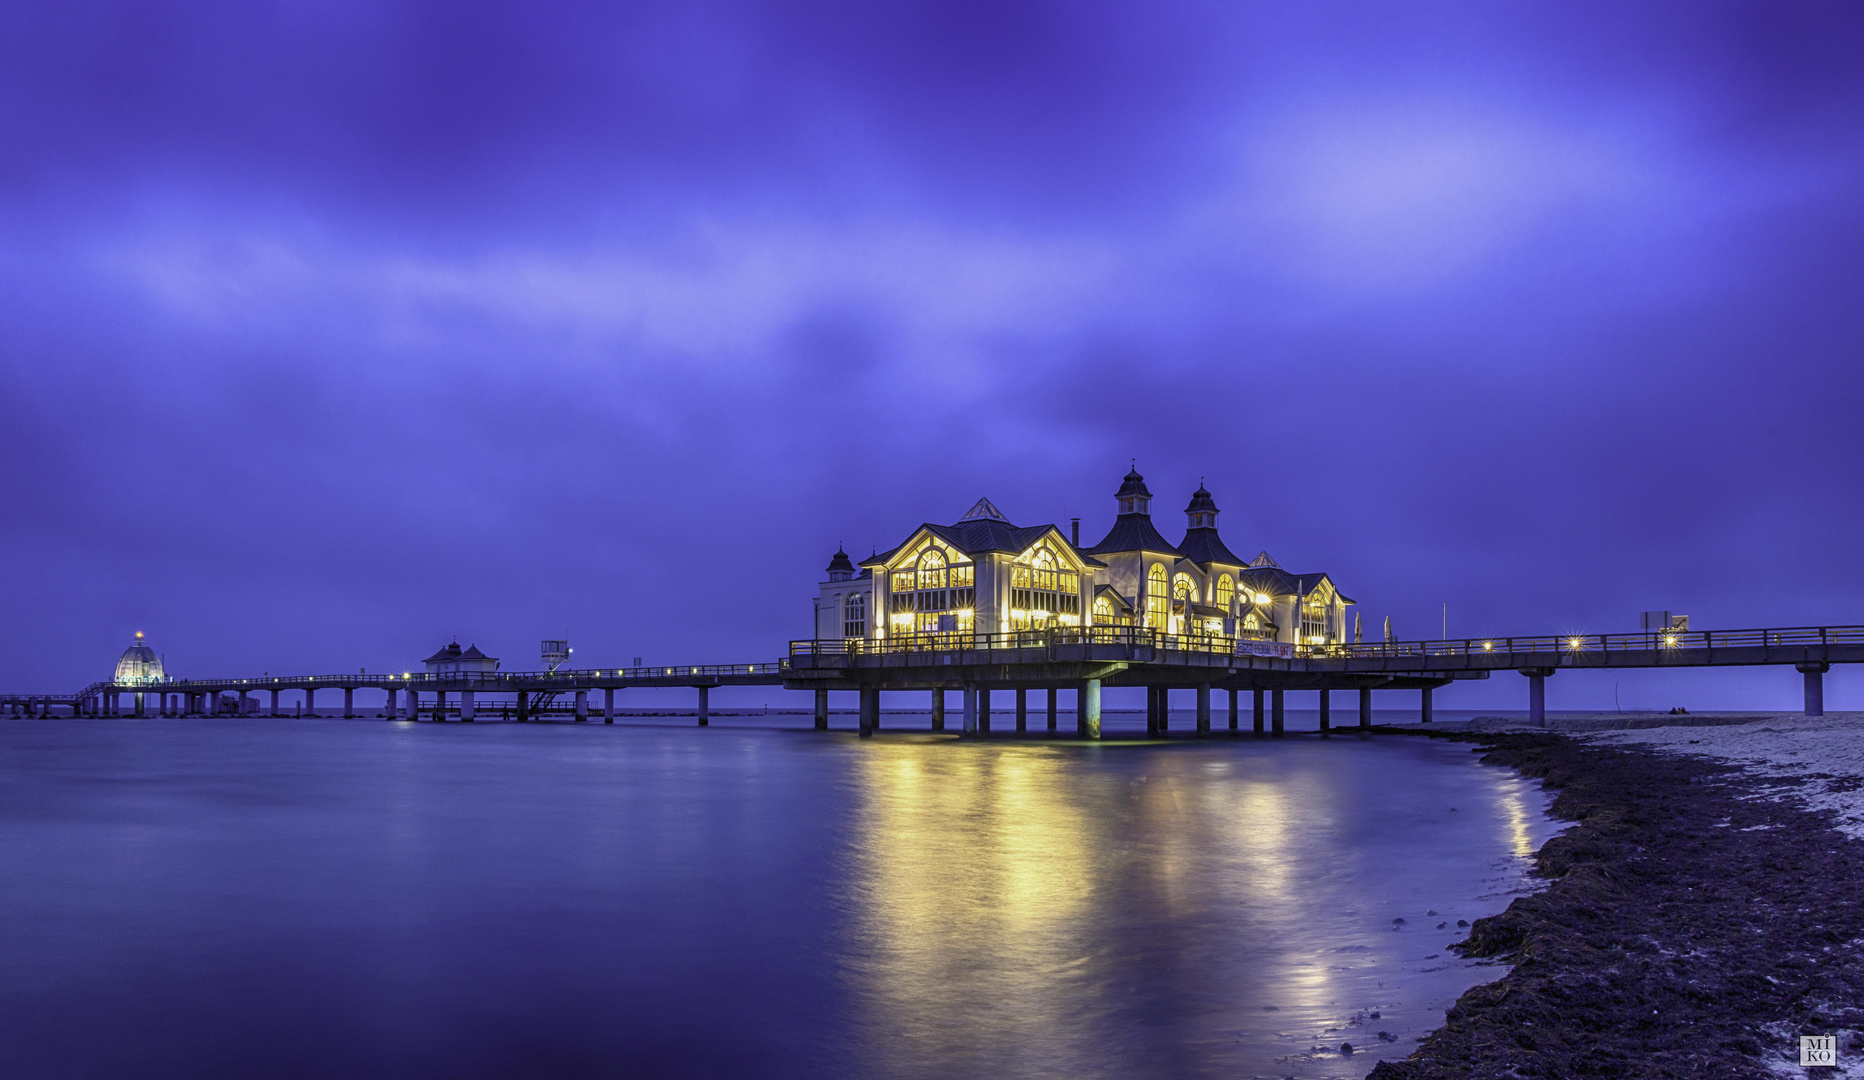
(139, 664)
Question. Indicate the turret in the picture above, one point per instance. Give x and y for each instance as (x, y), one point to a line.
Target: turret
(840, 568)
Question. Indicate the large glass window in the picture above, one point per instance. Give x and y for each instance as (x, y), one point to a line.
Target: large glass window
(1314, 620)
(854, 616)
(1158, 598)
(1183, 587)
(1043, 591)
(1226, 591)
(931, 596)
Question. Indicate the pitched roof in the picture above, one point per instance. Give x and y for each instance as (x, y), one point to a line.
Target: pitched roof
(1282, 583)
(1133, 532)
(449, 652)
(1205, 546)
(984, 508)
(982, 535)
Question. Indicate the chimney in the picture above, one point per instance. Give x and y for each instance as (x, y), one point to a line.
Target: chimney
(1074, 532)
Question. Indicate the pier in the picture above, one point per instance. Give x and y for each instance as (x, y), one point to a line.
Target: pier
(979, 666)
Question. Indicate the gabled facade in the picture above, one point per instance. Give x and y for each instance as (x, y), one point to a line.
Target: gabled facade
(984, 574)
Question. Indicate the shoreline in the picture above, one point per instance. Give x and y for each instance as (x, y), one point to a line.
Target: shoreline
(1699, 918)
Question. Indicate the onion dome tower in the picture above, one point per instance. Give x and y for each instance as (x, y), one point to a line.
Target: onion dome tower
(139, 664)
(1201, 544)
(840, 568)
(1132, 529)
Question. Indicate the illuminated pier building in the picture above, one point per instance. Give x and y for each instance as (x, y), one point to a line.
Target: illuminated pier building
(983, 574)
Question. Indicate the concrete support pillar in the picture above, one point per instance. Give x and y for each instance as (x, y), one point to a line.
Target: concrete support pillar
(821, 710)
(1258, 729)
(140, 704)
(970, 708)
(1424, 706)
(983, 710)
(1326, 711)
(1053, 694)
(705, 707)
(1276, 719)
(1815, 687)
(275, 694)
(1152, 711)
(1233, 713)
(1087, 710)
(466, 706)
(582, 706)
(388, 707)
(1022, 710)
(1164, 710)
(938, 708)
(242, 706)
(870, 710)
(608, 704)
(310, 701)
(414, 704)
(524, 706)
(440, 705)
(349, 702)
(1365, 707)
(1203, 709)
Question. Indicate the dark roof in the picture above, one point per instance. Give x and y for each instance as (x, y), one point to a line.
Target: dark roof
(451, 652)
(1281, 582)
(1133, 532)
(1208, 611)
(1108, 590)
(472, 653)
(981, 535)
(1201, 502)
(1205, 546)
(840, 564)
(1133, 485)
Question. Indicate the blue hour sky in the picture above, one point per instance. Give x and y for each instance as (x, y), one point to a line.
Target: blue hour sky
(331, 330)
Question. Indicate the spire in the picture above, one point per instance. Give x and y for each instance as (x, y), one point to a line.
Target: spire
(840, 568)
(1133, 496)
(983, 510)
(1202, 513)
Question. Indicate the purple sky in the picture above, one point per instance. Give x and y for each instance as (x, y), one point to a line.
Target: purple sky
(331, 330)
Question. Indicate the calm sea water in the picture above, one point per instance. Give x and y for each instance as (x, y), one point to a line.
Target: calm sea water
(322, 898)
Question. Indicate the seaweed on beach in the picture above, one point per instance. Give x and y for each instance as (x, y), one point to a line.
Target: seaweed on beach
(1694, 928)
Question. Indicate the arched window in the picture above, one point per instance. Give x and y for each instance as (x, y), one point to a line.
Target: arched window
(1044, 591)
(931, 570)
(931, 596)
(1183, 588)
(1226, 590)
(1314, 619)
(1158, 598)
(854, 616)
(1103, 610)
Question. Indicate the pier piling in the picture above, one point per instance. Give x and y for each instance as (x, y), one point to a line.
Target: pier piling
(1815, 687)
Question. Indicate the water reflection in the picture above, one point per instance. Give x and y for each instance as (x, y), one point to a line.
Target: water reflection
(1152, 911)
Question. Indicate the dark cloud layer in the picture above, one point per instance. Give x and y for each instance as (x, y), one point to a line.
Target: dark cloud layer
(327, 331)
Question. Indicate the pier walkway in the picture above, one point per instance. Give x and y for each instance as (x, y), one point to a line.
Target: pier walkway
(1083, 660)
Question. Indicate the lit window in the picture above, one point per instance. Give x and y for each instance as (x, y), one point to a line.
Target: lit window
(1182, 587)
(854, 616)
(1226, 591)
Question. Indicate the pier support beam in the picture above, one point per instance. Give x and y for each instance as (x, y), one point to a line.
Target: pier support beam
(608, 704)
(870, 710)
(970, 709)
(1022, 710)
(1536, 695)
(241, 705)
(1326, 712)
(1277, 718)
(1087, 710)
(1233, 714)
(310, 701)
(1815, 687)
(1053, 694)
(466, 706)
(1203, 709)
(524, 706)
(821, 710)
(983, 710)
(388, 709)
(275, 694)
(1365, 707)
(705, 707)
(582, 706)
(139, 703)
(1152, 711)
(349, 702)
(1164, 711)
(440, 706)
(938, 709)
(1424, 706)
(1258, 693)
